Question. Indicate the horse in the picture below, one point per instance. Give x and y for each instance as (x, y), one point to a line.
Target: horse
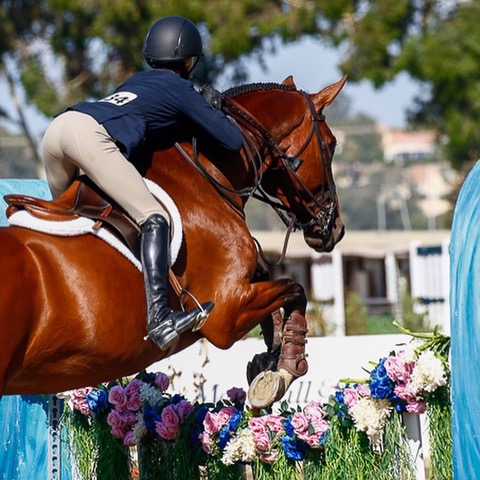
(73, 309)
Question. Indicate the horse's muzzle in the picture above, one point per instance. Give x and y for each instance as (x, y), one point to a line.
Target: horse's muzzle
(324, 240)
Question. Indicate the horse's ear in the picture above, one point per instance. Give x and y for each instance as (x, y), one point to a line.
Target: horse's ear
(289, 81)
(327, 95)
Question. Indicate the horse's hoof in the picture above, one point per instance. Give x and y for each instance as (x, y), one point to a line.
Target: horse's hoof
(261, 362)
(266, 389)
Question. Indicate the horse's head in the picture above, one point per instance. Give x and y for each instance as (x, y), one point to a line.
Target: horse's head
(289, 129)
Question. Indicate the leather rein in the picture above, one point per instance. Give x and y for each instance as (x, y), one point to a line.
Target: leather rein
(320, 207)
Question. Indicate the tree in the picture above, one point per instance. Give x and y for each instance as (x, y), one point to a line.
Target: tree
(435, 42)
(56, 52)
(61, 51)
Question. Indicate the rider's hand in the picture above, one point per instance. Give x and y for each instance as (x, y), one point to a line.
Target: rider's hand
(215, 98)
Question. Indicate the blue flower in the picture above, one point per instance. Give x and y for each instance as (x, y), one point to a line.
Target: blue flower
(234, 421)
(201, 413)
(177, 398)
(150, 416)
(289, 428)
(339, 397)
(294, 449)
(380, 372)
(197, 428)
(223, 437)
(381, 386)
(97, 401)
(381, 389)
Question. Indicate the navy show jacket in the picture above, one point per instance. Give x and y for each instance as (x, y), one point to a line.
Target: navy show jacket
(153, 101)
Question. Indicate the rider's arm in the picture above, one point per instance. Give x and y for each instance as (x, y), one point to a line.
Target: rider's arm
(212, 121)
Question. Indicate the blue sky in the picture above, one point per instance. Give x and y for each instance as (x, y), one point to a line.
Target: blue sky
(314, 66)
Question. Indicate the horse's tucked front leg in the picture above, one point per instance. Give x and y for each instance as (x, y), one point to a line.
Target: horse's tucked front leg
(271, 373)
(269, 385)
(292, 351)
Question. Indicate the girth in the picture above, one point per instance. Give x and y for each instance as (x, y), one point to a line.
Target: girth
(82, 199)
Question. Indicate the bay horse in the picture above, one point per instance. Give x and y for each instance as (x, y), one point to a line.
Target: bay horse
(73, 309)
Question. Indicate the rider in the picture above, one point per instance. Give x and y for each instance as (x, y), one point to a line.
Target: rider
(100, 138)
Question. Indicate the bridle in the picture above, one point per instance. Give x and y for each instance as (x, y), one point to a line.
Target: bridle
(319, 207)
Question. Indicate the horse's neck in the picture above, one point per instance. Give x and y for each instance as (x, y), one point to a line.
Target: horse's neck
(190, 178)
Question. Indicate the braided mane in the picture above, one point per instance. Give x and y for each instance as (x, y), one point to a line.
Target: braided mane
(255, 87)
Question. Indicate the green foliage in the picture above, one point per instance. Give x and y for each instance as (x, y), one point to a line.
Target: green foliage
(349, 452)
(439, 415)
(96, 452)
(356, 315)
(318, 326)
(412, 320)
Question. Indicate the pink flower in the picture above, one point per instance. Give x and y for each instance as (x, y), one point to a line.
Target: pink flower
(300, 422)
(269, 457)
(416, 407)
(134, 402)
(117, 397)
(129, 417)
(79, 400)
(206, 441)
(260, 433)
(322, 427)
(237, 395)
(363, 390)
(313, 409)
(315, 414)
(350, 397)
(170, 424)
(401, 392)
(116, 419)
(257, 424)
(118, 432)
(129, 439)
(162, 381)
(397, 369)
(274, 422)
(183, 408)
(212, 423)
(225, 414)
(133, 388)
(313, 418)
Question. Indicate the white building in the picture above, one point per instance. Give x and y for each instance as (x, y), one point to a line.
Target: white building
(375, 265)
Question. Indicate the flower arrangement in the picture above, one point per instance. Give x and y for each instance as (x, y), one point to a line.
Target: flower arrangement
(135, 425)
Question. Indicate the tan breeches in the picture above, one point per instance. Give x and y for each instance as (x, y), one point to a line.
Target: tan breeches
(75, 142)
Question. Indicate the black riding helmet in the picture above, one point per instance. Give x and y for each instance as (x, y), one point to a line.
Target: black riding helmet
(173, 42)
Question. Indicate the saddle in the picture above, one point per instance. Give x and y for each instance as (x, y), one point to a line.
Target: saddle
(82, 199)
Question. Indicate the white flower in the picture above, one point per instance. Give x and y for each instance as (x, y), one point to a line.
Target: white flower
(149, 394)
(369, 415)
(139, 429)
(409, 354)
(428, 374)
(240, 448)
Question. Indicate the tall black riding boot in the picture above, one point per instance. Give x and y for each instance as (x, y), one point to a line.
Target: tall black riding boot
(163, 324)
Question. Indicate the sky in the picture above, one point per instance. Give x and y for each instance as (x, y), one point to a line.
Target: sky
(313, 67)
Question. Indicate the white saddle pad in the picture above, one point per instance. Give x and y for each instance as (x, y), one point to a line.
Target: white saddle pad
(83, 226)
